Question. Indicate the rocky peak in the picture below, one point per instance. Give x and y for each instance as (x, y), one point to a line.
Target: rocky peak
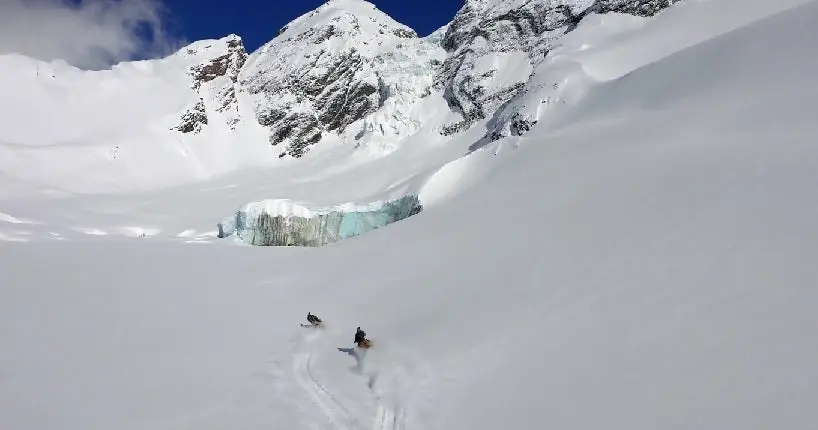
(320, 74)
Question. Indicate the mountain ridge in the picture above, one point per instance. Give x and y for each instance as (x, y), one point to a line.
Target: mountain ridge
(343, 74)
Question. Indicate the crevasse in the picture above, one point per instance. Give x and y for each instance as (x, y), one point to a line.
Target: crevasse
(284, 223)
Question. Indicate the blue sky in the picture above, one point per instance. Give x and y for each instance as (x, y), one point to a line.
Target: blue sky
(258, 21)
(96, 34)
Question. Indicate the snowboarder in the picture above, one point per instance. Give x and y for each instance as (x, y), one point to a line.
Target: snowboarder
(360, 339)
(359, 335)
(313, 319)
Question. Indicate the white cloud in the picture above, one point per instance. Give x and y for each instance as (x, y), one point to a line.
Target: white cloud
(90, 34)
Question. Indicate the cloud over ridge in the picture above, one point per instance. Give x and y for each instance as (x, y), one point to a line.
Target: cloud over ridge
(90, 34)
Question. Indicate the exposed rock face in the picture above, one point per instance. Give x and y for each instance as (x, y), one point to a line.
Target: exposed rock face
(193, 119)
(301, 106)
(483, 36)
(550, 84)
(215, 79)
(476, 77)
(229, 64)
(632, 7)
(323, 73)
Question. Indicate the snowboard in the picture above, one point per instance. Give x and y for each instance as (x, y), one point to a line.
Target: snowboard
(319, 325)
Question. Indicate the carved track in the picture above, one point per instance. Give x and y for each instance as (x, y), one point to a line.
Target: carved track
(388, 416)
(338, 416)
(387, 419)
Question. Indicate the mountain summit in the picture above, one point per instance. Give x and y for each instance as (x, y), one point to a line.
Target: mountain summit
(330, 68)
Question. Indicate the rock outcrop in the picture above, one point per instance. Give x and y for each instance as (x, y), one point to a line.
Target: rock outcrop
(214, 77)
(487, 40)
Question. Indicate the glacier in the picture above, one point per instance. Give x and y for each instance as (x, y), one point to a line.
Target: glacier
(281, 222)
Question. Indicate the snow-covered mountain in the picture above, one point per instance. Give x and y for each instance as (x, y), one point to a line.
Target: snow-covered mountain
(334, 66)
(643, 257)
(345, 73)
(494, 45)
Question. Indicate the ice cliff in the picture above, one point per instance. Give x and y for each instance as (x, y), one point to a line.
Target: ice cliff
(285, 223)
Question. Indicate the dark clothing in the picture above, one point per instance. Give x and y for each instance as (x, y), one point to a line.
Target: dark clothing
(313, 319)
(360, 335)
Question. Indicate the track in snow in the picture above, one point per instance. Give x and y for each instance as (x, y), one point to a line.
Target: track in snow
(338, 415)
(387, 417)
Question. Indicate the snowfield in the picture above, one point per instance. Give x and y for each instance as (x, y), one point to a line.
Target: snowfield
(642, 258)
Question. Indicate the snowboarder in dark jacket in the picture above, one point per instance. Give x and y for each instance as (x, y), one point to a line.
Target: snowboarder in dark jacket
(312, 319)
(360, 336)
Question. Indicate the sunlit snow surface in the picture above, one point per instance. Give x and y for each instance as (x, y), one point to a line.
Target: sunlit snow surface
(644, 258)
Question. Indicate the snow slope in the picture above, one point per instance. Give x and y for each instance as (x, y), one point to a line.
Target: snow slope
(121, 129)
(642, 257)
